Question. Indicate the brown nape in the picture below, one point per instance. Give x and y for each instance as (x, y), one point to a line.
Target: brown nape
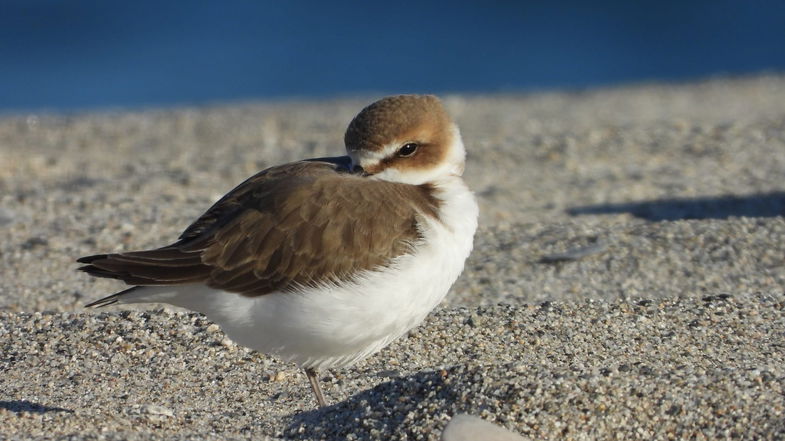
(395, 117)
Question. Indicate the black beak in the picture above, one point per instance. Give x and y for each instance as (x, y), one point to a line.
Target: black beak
(359, 171)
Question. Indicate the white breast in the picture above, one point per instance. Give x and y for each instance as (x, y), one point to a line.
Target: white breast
(339, 324)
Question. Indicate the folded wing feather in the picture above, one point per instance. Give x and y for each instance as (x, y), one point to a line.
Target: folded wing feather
(293, 225)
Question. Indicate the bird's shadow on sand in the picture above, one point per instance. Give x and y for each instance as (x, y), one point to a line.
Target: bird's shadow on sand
(386, 408)
(19, 406)
(721, 207)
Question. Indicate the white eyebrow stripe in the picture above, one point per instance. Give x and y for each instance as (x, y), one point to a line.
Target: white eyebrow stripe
(390, 150)
(377, 156)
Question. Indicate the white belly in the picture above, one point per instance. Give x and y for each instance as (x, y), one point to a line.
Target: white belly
(337, 325)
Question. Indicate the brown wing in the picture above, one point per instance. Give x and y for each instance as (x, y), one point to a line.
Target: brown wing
(293, 225)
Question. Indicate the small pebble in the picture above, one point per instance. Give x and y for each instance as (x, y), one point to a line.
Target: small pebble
(464, 427)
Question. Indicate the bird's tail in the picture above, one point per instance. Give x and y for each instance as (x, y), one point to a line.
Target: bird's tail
(112, 299)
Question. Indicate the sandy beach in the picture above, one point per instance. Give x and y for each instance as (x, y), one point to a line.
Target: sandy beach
(627, 282)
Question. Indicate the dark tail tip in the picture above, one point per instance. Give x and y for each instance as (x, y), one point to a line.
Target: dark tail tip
(110, 300)
(90, 259)
(100, 272)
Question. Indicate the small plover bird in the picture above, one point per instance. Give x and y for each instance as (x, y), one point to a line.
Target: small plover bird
(323, 262)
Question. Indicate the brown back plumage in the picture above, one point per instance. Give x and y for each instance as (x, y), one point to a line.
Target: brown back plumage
(297, 224)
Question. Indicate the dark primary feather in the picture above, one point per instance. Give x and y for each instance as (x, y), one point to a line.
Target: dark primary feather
(292, 225)
(110, 300)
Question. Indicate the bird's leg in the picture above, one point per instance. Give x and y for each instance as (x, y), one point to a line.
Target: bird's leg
(314, 380)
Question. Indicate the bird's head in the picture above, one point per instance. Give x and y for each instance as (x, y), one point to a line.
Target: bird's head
(405, 138)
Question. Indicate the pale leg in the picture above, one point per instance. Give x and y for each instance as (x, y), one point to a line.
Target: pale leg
(314, 380)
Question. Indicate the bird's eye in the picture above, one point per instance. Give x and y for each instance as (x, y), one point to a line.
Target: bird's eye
(407, 150)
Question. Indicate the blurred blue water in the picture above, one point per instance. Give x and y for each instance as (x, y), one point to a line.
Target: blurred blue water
(66, 55)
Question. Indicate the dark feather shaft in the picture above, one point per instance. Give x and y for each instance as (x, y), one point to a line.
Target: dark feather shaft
(109, 300)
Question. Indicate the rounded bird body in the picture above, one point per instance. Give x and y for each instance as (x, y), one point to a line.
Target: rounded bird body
(324, 262)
